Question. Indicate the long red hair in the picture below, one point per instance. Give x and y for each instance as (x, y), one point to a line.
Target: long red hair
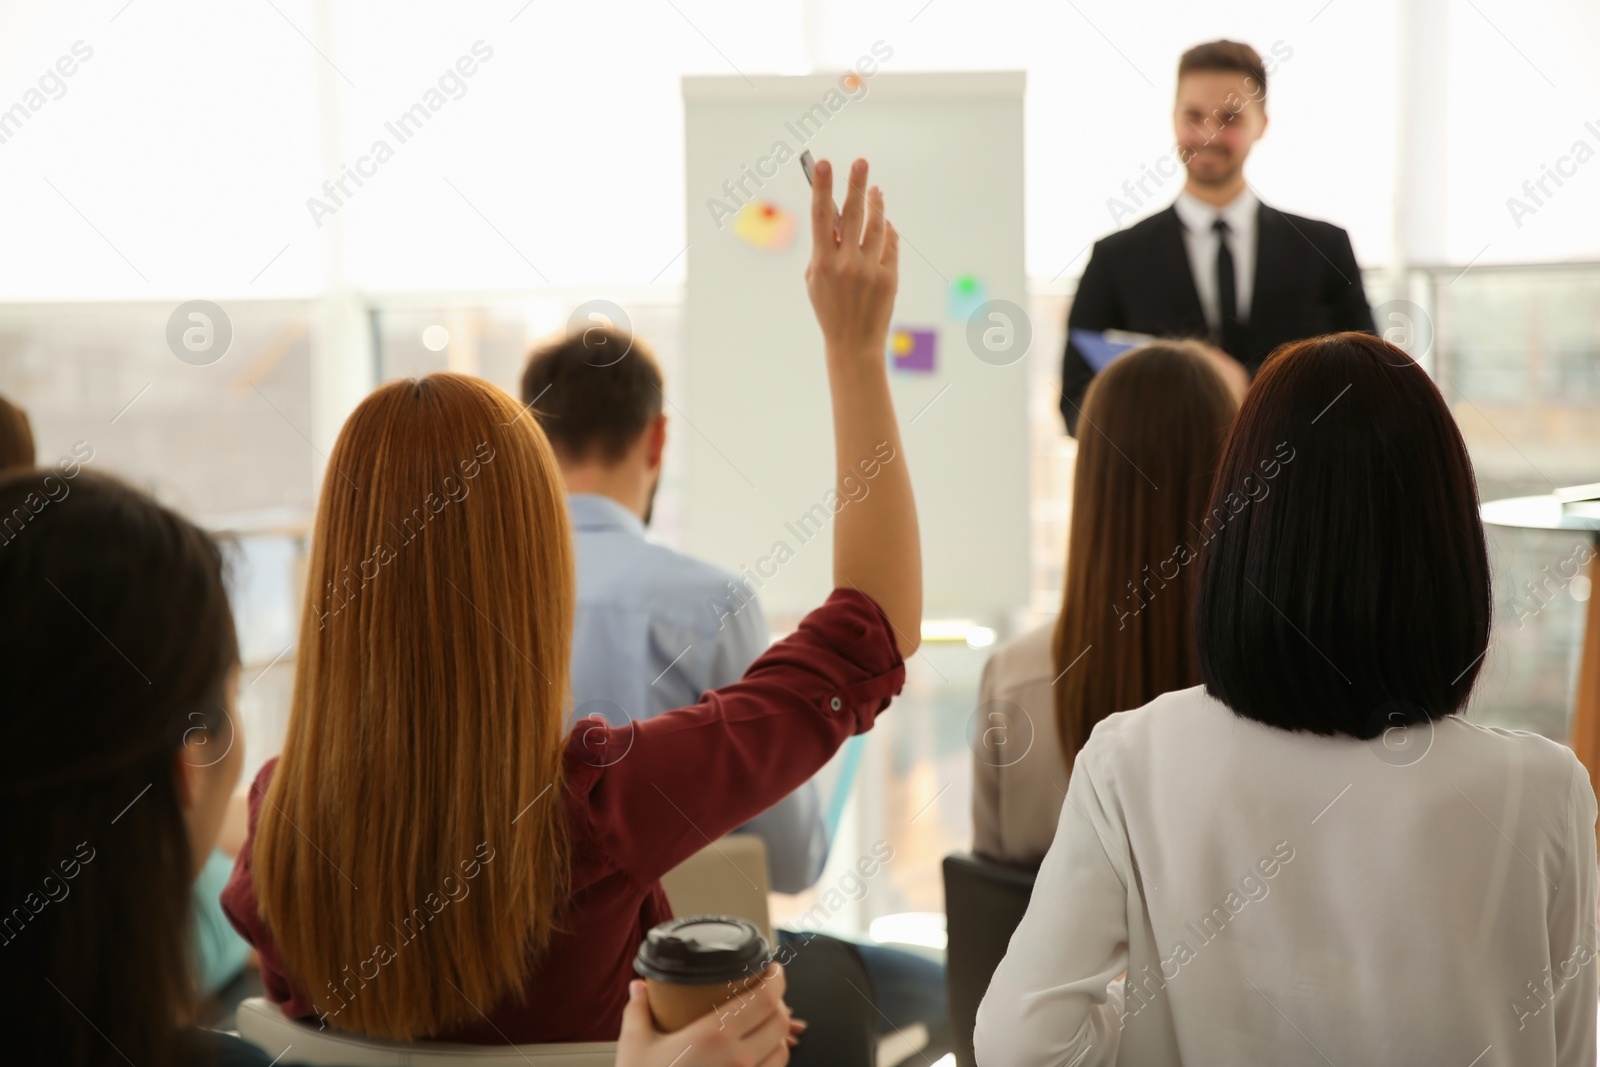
(423, 757)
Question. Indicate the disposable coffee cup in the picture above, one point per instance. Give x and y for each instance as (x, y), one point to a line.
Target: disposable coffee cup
(693, 966)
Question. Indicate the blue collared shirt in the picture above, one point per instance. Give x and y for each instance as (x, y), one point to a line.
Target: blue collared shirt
(654, 630)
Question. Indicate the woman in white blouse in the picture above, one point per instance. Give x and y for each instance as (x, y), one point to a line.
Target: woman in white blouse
(1314, 858)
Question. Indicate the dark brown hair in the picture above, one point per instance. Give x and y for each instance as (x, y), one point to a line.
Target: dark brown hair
(594, 393)
(1149, 439)
(16, 437)
(1226, 55)
(1355, 596)
(118, 641)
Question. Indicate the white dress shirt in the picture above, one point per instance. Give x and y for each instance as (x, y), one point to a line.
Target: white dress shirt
(1200, 239)
(1425, 898)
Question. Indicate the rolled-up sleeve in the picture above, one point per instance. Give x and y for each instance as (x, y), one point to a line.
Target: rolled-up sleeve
(660, 790)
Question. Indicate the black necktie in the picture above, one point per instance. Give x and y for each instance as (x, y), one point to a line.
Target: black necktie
(1232, 330)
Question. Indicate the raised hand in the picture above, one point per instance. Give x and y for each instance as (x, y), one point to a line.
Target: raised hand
(854, 273)
(852, 279)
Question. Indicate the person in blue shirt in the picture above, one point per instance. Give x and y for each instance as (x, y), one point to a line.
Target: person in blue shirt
(646, 640)
(656, 628)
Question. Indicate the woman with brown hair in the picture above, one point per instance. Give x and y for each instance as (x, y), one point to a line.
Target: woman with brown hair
(432, 857)
(1148, 443)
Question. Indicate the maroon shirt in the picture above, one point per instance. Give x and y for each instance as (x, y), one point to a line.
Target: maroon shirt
(687, 778)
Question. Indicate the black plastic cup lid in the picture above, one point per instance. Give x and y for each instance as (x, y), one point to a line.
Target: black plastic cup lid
(703, 950)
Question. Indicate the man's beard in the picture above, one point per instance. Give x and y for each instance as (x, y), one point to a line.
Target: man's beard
(1223, 177)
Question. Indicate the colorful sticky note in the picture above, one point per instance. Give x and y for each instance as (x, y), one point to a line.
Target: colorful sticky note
(912, 349)
(764, 225)
(965, 296)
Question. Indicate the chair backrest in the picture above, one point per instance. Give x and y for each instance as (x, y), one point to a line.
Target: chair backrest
(727, 877)
(983, 902)
(263, 1025)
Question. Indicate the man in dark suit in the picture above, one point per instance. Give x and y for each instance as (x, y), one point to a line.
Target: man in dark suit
(1217, 264)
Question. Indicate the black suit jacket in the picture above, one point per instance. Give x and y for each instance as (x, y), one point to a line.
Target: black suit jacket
(1306, 283)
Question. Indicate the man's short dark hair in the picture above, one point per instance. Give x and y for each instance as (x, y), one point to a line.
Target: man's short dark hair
(1345, 587)
(1225, 55)
(593, 393)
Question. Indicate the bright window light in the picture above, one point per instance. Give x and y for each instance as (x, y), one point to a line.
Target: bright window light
(924, 928)
(946, 629)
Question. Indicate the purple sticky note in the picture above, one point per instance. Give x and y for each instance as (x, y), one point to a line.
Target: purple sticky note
(912, 349)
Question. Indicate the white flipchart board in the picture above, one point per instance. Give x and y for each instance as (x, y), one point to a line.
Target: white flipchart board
(947, 150)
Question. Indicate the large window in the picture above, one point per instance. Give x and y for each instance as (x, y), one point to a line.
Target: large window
(205, 151)
(1518, 357)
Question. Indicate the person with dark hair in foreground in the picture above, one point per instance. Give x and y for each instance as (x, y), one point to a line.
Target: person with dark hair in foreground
(1314, 857)
(1216, 263)
(118, 753)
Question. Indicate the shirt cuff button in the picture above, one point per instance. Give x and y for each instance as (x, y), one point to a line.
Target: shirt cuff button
(835, 703)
